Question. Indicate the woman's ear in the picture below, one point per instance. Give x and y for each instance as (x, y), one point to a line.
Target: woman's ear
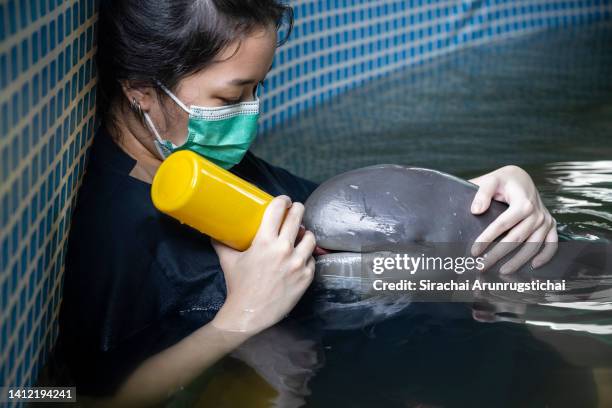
(142, 96)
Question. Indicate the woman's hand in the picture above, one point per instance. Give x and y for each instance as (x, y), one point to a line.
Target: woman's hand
(526, 220)
(266, 281)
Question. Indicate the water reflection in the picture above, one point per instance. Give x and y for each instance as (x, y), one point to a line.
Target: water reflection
(438, 355)
(580, 194)
(430, 355)
(272, 369)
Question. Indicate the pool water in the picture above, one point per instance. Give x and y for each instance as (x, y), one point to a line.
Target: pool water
(543, 102)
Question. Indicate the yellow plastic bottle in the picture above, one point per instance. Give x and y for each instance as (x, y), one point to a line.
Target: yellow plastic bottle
(209, 198)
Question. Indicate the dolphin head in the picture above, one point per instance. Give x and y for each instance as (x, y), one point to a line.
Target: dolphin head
(380, 206)
(373, 210)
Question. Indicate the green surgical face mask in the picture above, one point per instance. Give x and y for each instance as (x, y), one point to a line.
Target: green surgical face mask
(220, 134)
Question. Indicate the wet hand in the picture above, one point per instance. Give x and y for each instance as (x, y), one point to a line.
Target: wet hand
(526, 221)
(266, 281)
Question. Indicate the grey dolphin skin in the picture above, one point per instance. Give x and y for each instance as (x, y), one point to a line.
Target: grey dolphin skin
(390, 204)
(387, 209)
(371, 210)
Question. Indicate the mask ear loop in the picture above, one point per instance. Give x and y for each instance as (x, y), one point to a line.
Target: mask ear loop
(151, 126)
(159, 142)
(147, 119)
(174, 98)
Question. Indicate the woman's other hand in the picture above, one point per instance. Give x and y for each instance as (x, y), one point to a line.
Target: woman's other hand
(526, 221)
(266, 281)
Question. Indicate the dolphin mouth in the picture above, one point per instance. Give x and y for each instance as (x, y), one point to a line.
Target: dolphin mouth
(320, 251)
(331, 253)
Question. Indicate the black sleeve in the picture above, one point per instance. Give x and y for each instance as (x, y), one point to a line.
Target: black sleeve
(191, 266)
(136, 282)
(185, 287)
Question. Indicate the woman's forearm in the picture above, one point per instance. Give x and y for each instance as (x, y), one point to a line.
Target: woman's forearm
(161, 375)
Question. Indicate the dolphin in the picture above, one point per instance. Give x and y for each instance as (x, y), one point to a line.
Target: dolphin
(373, 210)
(389, 204)
(385, 209)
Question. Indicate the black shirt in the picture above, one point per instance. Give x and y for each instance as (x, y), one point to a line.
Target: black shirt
(136, 280)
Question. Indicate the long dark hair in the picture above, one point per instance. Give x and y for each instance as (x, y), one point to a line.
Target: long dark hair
(144, 41)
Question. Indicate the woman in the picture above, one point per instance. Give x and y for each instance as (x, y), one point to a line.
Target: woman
(140, 286)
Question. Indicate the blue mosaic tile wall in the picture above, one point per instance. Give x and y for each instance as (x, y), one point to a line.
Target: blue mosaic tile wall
(47, 98)
(337, 45)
